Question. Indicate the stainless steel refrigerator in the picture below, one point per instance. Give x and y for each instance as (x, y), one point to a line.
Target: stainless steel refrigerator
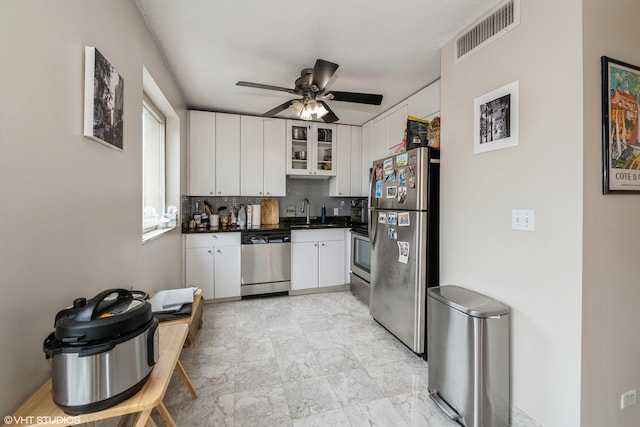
(403, 229)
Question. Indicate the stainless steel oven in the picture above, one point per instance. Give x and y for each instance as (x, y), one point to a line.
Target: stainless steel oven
(360, 268)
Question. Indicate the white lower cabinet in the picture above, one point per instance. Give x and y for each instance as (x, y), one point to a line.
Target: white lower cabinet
(213, 264)
(317, 258)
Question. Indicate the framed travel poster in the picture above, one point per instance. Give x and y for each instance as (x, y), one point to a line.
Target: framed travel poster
(620, 133)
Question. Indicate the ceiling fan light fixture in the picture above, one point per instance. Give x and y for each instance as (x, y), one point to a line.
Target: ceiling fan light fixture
(296, 107)
(309, 109)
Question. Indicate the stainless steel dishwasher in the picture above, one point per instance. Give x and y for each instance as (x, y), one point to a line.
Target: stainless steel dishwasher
(266, 262)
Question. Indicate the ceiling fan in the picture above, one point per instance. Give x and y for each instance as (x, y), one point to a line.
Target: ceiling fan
(311, 87)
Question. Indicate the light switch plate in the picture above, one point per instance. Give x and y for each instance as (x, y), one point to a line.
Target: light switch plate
(523, 219)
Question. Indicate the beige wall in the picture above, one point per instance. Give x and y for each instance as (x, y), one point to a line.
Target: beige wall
(611, 288)
(70, 208)
(538, 274)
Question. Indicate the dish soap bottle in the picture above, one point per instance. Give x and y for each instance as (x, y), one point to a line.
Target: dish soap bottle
(324, 214)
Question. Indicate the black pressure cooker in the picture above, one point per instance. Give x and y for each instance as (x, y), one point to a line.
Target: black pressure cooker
(102, 350)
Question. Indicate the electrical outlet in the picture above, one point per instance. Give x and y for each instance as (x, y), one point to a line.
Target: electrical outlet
(627, 399)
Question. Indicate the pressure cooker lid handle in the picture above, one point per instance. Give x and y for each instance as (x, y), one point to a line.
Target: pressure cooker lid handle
(93, 309)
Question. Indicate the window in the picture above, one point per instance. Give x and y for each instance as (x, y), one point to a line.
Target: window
(153, 165)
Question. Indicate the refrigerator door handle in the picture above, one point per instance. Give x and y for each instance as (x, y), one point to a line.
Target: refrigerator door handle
(370, 206)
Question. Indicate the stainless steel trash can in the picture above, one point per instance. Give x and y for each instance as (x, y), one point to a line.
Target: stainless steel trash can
(468, 356)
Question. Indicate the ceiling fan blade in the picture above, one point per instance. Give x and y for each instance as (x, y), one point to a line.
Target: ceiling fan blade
(330, 117)
(360, 98)
(278, 109)
(268, 87)
(322, 72)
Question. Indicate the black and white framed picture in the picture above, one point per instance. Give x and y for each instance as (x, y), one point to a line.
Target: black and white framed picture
(103, 100)
(495, 119)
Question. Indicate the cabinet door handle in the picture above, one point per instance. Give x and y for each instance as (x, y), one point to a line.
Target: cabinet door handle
(210, 251)
(219, 192)
(211, 192)
(260, 193)
(214, 236)
(219, 251)
(315, 245)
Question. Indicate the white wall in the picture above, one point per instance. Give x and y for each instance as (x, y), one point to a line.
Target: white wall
(538, 274)
(611, 291)
(70, 207)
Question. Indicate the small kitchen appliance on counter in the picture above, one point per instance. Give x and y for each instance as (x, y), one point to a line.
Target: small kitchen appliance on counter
(102, 351)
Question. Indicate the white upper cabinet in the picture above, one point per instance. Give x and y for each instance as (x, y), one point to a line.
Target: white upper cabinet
(202, 153)
(340, 185)
(227, 165)
(426, 102)
(367, 157)
(262, 149)
(356, 162)
(252, 155)
(275, 160)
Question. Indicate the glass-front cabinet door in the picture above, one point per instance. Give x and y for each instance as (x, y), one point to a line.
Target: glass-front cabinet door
(324, 139)
(310, 148)
(298, 144)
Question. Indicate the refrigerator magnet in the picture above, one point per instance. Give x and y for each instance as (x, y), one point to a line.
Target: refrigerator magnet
(392, 233)
(378, 189)
(411, 182)
(413, 159)
(392, 218)
(382, 217)
(402, 194)
(392, 192)
(403, 252)
(378, 172)
(388, 164)
(390, 176)
(402, 177)
(401, 159)
(403, 219)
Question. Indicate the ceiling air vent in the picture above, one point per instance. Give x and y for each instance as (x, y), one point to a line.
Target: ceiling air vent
(502, 19)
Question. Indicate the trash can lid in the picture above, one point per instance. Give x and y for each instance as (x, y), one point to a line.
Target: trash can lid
(467, 301)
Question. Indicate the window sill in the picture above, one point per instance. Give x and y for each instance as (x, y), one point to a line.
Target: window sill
(154, 234)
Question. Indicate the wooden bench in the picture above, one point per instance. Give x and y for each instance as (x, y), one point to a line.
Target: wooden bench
(40, 410)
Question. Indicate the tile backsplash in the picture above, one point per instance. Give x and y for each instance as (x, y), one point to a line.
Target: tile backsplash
(317, 191)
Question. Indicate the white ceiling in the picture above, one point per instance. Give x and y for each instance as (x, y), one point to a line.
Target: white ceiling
(386, 47)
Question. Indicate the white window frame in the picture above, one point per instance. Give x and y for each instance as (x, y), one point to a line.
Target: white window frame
(148, 104)
(152, 92)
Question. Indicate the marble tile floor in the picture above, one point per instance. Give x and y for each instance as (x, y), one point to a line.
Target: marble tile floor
(309, 360)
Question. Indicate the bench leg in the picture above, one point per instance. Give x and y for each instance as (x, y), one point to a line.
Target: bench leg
(166, 416)
(186, 380)
(142, 418)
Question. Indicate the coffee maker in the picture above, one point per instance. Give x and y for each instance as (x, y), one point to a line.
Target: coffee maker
(359, 211)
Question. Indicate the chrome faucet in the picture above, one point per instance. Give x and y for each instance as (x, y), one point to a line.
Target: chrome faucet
(308, 208)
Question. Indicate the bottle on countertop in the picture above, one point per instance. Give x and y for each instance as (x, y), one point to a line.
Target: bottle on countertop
(242, 217)
(324, 214)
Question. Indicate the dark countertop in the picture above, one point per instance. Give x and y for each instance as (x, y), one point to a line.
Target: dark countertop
(286, 224)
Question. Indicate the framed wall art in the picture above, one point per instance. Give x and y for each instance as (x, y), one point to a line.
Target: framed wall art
(103, 100)
(620, 130)
(495, 119)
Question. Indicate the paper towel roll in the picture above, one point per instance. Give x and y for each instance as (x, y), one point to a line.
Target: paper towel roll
(256, 217)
